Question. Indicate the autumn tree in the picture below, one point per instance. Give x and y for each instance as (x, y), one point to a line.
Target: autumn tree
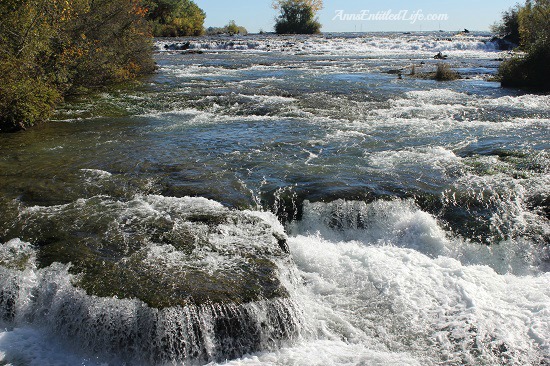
(50, 48)
(297, 16)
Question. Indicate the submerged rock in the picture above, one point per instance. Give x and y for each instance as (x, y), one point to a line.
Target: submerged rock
(394, 71)
(152, 280)
(163, 251)
(178, 46)
(192, 52)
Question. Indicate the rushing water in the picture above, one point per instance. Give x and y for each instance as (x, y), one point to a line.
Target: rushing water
(283, 201)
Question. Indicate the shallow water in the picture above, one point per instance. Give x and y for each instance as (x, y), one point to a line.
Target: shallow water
(331, 212)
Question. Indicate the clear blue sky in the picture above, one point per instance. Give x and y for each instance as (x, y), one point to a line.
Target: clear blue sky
(258, 14)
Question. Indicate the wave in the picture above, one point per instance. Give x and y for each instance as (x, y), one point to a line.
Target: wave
(433, 308)
(366, 44)
(402, 224)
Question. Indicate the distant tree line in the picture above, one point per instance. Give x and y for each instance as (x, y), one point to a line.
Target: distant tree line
(231, 28)
(530, 24)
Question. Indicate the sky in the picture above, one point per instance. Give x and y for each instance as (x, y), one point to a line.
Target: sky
(339, 15)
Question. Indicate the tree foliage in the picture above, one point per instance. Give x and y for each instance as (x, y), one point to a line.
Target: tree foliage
(508, 26)
(534, 24)
(314, 5)
(297, 16)
(49, 48)
(531, 69)
(172, 18)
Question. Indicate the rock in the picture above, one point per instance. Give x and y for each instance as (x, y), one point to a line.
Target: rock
(163, 251)
(152, 280)
(186, 45)
(394, 72)
(193, 52)
(178, 46)
(440, 56)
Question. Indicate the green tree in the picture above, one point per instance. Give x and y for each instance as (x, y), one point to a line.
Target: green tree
(508, 27)
(530, 69)
(534, 24)
(233, 28)
(172, 18)
(297, 16)
(315, 5)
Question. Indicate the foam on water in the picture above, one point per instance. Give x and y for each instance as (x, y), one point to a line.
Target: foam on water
(446, 97)
(384, 284)
(328, 352)
(436, 308)
(379, 284)
(381, 45)
(433, 158)
(400, 223)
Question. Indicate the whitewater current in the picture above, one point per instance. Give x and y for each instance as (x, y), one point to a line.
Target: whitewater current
(283, 201)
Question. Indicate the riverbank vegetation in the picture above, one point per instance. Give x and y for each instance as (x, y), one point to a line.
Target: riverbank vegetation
(53, 48)
(297, 16)
(530, 68)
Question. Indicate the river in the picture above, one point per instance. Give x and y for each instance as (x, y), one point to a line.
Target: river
(283, 201)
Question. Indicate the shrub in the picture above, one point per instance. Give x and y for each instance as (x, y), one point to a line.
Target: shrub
(529, 70)
(51, 48)
(24, 100)
(445, 73)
